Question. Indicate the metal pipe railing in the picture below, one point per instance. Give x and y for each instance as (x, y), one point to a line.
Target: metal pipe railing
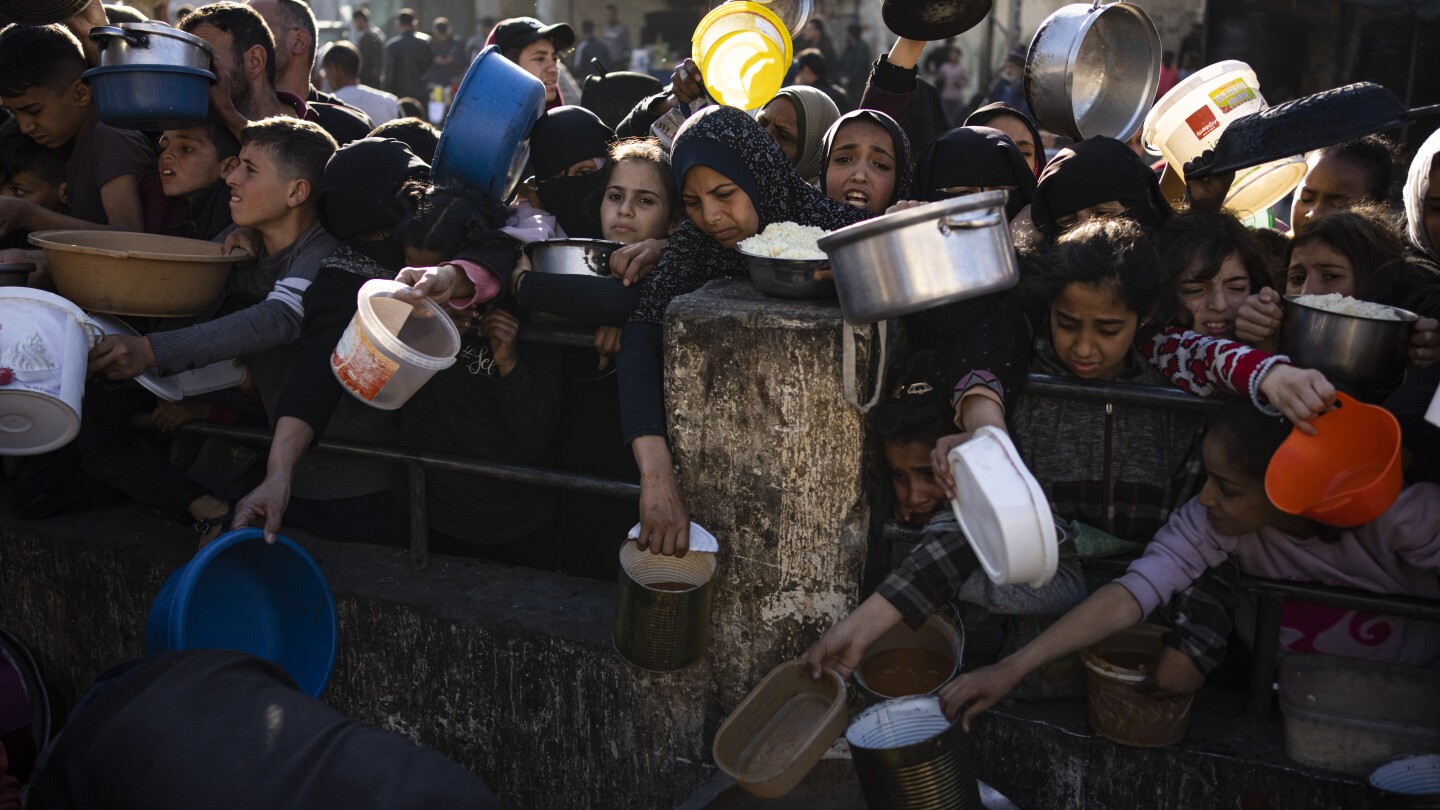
(1150, 396)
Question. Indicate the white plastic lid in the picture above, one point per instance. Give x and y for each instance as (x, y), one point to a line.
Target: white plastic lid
(167, 388)
(31, 423)
(214, 377)
(1003, 511)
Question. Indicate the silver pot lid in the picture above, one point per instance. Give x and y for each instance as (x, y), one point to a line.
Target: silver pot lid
(160, 29)
(984, 201)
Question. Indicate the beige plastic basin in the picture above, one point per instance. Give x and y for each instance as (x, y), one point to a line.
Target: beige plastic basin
(137, 274)
(781, 729)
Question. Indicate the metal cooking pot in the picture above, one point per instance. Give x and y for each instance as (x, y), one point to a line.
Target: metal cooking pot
(572, 257)
(1093, 70)
(150, 43)
(788, 278)
(1367, 352)
(909, 261)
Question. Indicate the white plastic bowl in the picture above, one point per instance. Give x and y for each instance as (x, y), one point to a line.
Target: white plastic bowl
(1003, 510)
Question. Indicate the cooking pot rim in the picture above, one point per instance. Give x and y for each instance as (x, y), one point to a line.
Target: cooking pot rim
(929, 212)
(163, 30)
(1405, 314)
(1086, 16)
(531, 247)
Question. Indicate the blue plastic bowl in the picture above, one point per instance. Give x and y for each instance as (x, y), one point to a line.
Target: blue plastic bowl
(486, 140)
(240, 593)
(150, 97)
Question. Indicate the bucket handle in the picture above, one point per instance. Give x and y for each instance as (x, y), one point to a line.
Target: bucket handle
(847, 359)
(93, 330)
(102, 34)
(948, 224)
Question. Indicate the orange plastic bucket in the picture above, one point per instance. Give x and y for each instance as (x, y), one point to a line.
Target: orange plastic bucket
(1345, 475)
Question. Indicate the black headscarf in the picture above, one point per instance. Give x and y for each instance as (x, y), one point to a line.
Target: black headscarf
(904, 163)
(984, 115)
(1095, 171)
(360, 194)
(563, 137)
(729, 141)
(976, 156)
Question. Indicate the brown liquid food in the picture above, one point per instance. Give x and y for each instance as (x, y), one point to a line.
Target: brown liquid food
(670, 586)
(905, 671)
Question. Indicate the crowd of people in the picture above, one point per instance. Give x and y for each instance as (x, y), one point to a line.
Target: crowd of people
(1118, 285)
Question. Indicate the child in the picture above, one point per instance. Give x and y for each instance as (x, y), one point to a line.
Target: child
(1216, 263)
(1397, 553)
(29, 171)
(193, 165)
(420, 136)
(1340, 176)
(40, 83)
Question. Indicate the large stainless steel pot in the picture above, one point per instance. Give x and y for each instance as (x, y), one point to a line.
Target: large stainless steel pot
(924, 257)
(1367, 352)
(148, 44)
(572, 257)
(1093, 70)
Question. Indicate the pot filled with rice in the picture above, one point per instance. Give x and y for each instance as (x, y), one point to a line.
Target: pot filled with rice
(1358, 342)
(783, 260)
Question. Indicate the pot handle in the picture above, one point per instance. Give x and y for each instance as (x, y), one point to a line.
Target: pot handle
(847, 360)
(102, 34)
(948, 224)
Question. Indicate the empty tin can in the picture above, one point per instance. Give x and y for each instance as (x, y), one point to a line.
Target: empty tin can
(909, 757)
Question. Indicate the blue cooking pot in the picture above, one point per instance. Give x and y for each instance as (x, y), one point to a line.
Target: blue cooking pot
(150, 97)
(486, 140)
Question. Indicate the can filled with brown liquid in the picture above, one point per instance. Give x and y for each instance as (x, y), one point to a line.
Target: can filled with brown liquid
(662, 608)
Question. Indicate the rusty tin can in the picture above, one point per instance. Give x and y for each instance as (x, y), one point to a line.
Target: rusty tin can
(662, 608)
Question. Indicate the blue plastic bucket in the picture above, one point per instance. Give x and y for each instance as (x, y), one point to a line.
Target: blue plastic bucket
(240, 593)
(150, 97)
(486, 140)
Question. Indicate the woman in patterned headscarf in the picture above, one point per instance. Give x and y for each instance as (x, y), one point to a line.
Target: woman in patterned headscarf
(798, 118)
(734, 181)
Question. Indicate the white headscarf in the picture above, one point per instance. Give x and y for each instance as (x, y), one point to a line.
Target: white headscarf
(1417, 185)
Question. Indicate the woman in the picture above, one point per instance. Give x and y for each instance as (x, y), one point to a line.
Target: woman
(1094, 178)
(1422, 199)
(1340, 176)
(1018, 126)
(798, 118)
(1216, 263)
(867, 161)
(734, 181)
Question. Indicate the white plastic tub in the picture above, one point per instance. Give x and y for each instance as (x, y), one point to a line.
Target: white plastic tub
(1195, 113)
(44, 344)
(390, 348)
(1003, 510)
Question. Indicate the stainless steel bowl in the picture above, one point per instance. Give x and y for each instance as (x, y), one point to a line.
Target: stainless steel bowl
(1367, 352)
(788, 278)
(1093, 70)
(572, 257)
(150, 43)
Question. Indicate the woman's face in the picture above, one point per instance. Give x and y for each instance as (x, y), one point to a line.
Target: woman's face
(1092, 330)
(1019, 133)
(1234, 502)
(1432, 207)
(635, 207)
(539, 60)
(1111, 208)
(719, 207)
(861, 171)
(1318, 269)
(1331, 184)
(1214, 302)
(917, 495)
(779, 119)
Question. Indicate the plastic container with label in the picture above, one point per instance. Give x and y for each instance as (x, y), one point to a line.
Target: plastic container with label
(44, 341)
(391, 348)
(1003, 511)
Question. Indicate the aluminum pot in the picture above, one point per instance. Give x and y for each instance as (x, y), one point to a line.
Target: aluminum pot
(572, 257)
(788, 278)
(1093, 70)
(1367, 352)
(909, 261)
(150, 43)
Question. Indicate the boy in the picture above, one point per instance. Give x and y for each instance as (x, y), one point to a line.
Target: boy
(40, 83)
(193, 165)
(29, 171)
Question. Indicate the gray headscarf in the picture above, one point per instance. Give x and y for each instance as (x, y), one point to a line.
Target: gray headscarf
(814, 112)
(1417, 186)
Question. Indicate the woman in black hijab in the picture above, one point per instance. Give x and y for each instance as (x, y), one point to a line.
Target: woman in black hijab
(967, 160)
(866, 161)
(568, 148)
(1097, 177)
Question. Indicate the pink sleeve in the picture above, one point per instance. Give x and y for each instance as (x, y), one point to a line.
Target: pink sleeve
(487, 286)
(1205, 366)
(1182, 550)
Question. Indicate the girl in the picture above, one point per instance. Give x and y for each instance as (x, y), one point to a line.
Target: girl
(1339, 176)
(1397, 553)
(867, 161)
(1422, 199)
(967, 160)
(1358, 253)
(798, 118)
(1215, 263)
(1093, 178)
(1018, 126)
(734, 181)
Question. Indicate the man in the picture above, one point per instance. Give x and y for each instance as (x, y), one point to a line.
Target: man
(617, 38)
(342, 66)
(447, 56)
(372, 49)
(474, 45)
(407, 57)
(1008, 87)
(815, 72)
(589, 49)
(536, 47)
(855, 61)
(292, 24)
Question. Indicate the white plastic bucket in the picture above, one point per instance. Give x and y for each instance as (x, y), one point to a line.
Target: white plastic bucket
(1191, 118)
(390, 348)
(44, 345)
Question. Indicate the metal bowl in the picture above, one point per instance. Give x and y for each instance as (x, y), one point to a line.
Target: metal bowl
(572, 257)
(150, 44)
(788, 278)
(1367, 352)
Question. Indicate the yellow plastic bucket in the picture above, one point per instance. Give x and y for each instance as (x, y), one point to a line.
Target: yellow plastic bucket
(743, 51)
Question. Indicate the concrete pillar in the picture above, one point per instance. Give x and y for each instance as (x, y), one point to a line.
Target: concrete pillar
(771, 461)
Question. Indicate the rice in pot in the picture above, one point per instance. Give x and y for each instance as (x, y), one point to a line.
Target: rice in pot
(786, 240)
(1345, 305)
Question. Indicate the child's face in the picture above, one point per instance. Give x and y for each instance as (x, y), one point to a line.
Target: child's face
(31, 186)
(1234, 502)
(50, 118)
(1092, 330)
(1331, 184)
(635, 207)
(1215, 302)
(188, 162)
(1318, 269)
(260, 191)
(917, 495)
(861, 171)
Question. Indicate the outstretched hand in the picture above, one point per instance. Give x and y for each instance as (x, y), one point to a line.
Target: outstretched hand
(975, 692)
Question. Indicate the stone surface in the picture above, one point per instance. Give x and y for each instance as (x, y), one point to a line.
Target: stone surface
(771, 461)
